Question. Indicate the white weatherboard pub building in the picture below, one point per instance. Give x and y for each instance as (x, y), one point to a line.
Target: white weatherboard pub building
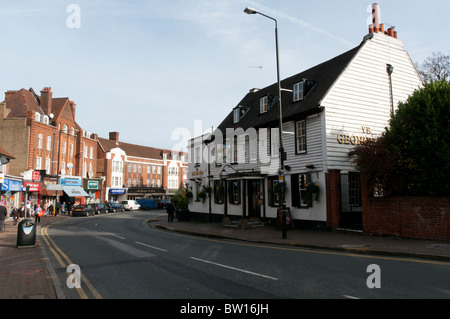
(333, 107)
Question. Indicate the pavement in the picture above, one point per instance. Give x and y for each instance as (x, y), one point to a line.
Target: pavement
(25, 273)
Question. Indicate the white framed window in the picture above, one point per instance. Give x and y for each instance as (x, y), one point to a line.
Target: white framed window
(49, 142)
(71, 149)
(64, 147)
(91, 152)
(85, 151)
(40, 140)
(298, 91)
(47, 165)
(236, 115)
(159, 170)
(263, 105)
(300, 137)
(38, 163)
(149, 169)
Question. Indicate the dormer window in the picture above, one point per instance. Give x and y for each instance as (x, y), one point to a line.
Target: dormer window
(263, 106)
(236, 115)
(298, 91)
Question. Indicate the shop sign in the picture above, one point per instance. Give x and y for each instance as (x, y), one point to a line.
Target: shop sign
(117, 191)
(11, 185)
(33, 187)
(92, 185)
(36, 175)
(355, 139)
(70, 181)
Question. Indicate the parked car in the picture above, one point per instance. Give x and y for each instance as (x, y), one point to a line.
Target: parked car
(83, 210)
(100, 208)
(115, 207)
(131, 205)
(147, 203)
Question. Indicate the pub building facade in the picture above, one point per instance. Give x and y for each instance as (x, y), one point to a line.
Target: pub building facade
(327, 111)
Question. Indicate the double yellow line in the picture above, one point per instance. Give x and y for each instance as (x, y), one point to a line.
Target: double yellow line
(65, 261)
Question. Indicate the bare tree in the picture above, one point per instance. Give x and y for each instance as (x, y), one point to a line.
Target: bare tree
(435, 67)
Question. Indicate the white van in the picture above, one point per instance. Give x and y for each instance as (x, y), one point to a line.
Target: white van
(131, 205)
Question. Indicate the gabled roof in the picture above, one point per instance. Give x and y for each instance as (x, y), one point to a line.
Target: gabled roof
(20, 102)
(324, 75)
(135, 150)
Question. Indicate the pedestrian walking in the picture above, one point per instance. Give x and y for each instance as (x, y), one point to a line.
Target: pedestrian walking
(170, 212)
(58, 208)
(37, 214)
(15, 214)
(50, 209)
(3, 214)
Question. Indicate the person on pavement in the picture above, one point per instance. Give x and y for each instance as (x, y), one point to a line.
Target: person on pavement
(3, 213)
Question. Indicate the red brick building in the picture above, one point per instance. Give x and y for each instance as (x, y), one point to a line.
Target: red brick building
(43, 134)
(134, 171)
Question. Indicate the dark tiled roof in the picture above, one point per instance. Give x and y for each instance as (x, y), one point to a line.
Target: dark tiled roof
(136, 150)
(323, 75)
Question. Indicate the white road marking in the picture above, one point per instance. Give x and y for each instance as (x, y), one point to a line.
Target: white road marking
(233, 268)
(152, 247)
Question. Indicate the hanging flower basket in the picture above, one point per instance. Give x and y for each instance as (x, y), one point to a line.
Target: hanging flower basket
(208, 189)
(202, 195)
(313, 191)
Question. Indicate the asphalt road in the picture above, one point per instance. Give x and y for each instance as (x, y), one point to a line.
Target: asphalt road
(119, 256)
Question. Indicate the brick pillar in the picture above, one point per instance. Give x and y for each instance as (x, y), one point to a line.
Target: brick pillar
(333, 199)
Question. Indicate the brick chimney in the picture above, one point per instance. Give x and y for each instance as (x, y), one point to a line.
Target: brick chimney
(46, 100)
(9, 93)
(114, 136)
(376, 26)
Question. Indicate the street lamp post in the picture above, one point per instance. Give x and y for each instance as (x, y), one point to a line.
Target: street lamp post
(280, 118)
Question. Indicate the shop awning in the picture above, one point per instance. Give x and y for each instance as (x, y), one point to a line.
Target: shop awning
(75, 191)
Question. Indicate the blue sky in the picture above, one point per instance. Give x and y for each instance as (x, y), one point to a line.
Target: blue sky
(152, 70)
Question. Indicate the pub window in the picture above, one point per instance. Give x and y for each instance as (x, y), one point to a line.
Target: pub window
(219, 192)
(263, 105)
(274, 190)
(298, 190)
(300, 137)
(234, 193)
(298, 91)
(236, 115)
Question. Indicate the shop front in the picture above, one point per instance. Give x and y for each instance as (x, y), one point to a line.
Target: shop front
(94, 189)
(72, 191)
(117, 194)
(10, 193)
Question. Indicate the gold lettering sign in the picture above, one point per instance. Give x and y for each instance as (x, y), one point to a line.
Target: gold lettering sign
(354, 139)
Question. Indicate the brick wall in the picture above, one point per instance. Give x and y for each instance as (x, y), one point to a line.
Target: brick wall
(411, 217)
(333, 193)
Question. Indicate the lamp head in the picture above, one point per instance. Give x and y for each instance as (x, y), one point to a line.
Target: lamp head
(249, 10)
(223, 175)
